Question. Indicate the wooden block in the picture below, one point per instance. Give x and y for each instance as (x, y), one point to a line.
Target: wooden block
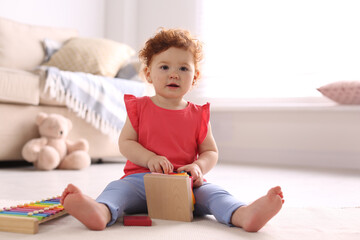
(137, 221)
(169, 197)
(19, 224)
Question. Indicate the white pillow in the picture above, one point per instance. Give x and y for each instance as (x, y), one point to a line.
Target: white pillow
(342, 92)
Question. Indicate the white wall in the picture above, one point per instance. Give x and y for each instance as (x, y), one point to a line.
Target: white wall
(134, 21)
(128, 21)
(307, 136)
(122, 21)
(88, 16)
(166, 13)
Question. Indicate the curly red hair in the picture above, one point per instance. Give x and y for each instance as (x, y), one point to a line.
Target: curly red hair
(166, 38)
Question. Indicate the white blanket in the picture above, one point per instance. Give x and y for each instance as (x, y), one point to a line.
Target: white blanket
(97, 99)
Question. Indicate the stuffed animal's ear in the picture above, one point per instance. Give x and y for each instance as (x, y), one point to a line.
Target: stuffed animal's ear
(40, 118)
(69, 124)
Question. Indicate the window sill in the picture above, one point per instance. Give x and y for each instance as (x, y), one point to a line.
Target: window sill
(277, 104)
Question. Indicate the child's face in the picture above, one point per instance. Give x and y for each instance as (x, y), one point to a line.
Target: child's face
(172, 72)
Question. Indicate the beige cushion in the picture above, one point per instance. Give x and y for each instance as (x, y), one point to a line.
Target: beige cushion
(19, 86)
(91, 55)
(342, 92)
(21, 44)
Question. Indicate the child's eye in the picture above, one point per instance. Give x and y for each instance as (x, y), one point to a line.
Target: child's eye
(184, 69)
(164, 67)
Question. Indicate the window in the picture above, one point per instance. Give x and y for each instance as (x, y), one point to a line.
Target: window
(278, 48)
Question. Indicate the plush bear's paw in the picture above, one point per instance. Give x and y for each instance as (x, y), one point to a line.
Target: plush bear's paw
(75, 161)
(31, 149)
(49, 159)
(81, 144)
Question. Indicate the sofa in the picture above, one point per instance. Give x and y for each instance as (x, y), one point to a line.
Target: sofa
(22, 94)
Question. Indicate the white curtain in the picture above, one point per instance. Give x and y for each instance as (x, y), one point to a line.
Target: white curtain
(277, 48)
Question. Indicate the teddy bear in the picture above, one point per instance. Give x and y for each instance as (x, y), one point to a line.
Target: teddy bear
(52, 150)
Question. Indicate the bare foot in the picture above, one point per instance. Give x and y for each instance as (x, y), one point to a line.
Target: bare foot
(254, 216)
(92, 214)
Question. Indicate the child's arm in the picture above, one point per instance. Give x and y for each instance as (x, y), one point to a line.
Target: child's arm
(208, 153)
(136, 153)
(208, 157)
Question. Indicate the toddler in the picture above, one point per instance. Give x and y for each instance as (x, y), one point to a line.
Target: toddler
(164, 134)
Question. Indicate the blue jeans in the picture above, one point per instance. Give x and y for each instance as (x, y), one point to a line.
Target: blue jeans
(127, 195)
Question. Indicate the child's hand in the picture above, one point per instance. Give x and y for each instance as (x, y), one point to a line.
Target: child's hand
(160, 164)
(195, 172)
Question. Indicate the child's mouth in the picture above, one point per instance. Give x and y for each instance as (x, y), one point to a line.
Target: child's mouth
(172, 85)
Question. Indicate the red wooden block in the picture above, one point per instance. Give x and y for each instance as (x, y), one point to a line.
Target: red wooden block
(137, 221)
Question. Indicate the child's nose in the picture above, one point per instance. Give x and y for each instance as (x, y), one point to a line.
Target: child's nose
(174, 75)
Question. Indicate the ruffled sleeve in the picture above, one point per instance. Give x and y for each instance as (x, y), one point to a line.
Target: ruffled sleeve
(205, 117)
(132, 110)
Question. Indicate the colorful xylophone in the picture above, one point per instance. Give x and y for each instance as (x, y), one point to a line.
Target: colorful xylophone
(25, 218)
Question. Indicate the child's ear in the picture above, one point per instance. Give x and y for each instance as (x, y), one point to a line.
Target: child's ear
(147, 74)
(196, 77)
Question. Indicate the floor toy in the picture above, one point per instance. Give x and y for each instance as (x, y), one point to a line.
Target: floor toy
(25, 218)
(169, 196)
(137, 221)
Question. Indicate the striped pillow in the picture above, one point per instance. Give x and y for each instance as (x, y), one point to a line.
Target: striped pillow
(91, 55)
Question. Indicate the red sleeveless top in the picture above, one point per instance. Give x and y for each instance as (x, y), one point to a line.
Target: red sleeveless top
(175, 134)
